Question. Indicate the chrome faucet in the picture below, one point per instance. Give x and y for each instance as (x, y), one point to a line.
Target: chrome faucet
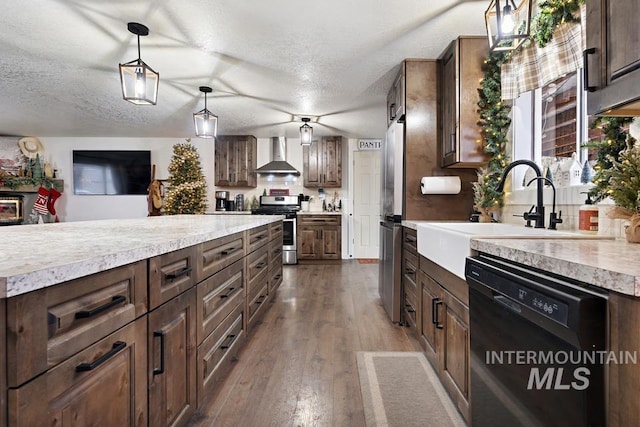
(538, 214)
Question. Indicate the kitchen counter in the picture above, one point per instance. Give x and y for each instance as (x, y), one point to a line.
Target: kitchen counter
(40, 255)
(609, 264)
(317, 213)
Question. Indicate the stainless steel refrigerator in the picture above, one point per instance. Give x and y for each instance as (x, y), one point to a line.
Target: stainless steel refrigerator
(391, 215)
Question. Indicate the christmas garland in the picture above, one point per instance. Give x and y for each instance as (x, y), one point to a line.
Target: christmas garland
(551, 14)
(13, 182)
(495, 118)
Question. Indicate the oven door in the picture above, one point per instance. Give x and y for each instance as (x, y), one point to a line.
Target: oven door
(289, 250)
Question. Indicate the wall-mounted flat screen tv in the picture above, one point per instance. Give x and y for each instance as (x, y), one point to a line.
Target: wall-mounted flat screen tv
(111, 172)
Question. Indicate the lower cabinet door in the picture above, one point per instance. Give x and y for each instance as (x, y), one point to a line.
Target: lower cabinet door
(172, 361)
(455, 364)
(102, 385)
(432, 322)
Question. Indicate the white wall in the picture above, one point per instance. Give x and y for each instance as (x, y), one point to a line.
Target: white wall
(71, 207)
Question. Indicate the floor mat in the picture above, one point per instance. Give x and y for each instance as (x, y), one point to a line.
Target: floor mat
(402, 389)
(368, 260)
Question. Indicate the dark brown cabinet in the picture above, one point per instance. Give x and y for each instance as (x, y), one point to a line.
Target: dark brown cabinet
(113, 369)
(322, 162)
(460, 70)
(396, 98)
(172, 361)
(444, 332)
(613, 58)
(235, 161)
(319, 237)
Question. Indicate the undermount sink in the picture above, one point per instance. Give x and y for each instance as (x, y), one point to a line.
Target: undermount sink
(448, 243)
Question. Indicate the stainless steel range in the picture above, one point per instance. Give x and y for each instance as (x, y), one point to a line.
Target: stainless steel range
(287, 206)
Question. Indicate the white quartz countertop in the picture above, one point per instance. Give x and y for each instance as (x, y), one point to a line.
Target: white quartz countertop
(40, 255)
(609, 264)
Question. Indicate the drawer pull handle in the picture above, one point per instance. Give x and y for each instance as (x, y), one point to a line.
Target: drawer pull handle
(409, 271)
(228, 294)
(227, 251)
(410, 239)
(409, 308)
(261, 299)
(178, 274)
(115, 300)
(435, 302)
(117, 346)
(160, 370)
(260, 236)
(277, 277)
(229, 343)
(261, 265)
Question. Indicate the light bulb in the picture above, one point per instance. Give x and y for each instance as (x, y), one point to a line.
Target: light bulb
(507, 20)
(205, 125)
(140, 84)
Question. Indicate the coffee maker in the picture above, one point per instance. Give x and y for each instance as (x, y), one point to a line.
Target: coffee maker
(221, 200)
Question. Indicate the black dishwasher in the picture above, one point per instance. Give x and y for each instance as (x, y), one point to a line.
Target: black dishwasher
(537, 347)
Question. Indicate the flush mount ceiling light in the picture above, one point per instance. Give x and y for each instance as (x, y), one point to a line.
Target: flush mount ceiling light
(507, 23)
(306, 132)
(139, 81)
(205, 121)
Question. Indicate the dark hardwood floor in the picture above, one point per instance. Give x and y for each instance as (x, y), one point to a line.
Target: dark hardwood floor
(298, 367)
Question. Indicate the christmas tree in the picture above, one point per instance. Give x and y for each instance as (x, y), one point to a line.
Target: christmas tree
(187, 192)
(616, 139)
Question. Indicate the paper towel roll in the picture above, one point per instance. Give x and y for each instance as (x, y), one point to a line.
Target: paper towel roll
(440, 185)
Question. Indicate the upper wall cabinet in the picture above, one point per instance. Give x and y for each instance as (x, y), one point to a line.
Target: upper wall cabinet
(612, 58)
(460, 70)
(395, 99)
(322, 162)
(236, 160)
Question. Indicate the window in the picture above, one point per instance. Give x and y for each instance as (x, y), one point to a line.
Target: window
(550, 124)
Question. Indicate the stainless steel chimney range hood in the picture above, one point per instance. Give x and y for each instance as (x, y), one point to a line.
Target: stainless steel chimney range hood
(278, 164)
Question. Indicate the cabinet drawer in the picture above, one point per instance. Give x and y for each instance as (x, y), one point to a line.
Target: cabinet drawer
(171, 274)
(319, 219)
(275, 277)
(216, 254)
(105, 384)
(257, 266)
(47, 326)
(258, 237)
(410, 267)
(275, 252)
(256, 303)
(275, 231)
(410, 241)
(217, 351)
(217, 296)
(410, 306)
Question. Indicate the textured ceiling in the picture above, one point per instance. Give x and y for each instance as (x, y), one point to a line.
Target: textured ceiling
(268, 62)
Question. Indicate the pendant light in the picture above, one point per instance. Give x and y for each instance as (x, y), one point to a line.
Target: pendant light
(306, 132)
(507, 23)
(205, 121)
(139, 81)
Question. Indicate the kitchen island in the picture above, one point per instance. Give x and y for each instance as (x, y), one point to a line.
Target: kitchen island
(128, 322)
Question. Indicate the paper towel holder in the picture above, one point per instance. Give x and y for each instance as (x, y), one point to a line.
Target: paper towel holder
(440, 184)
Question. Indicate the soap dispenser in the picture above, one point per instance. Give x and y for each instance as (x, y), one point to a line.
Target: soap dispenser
(588, 216)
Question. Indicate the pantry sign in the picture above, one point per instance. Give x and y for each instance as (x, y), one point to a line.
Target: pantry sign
(369, 144)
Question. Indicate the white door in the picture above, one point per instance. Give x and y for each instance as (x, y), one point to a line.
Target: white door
(366, 204)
